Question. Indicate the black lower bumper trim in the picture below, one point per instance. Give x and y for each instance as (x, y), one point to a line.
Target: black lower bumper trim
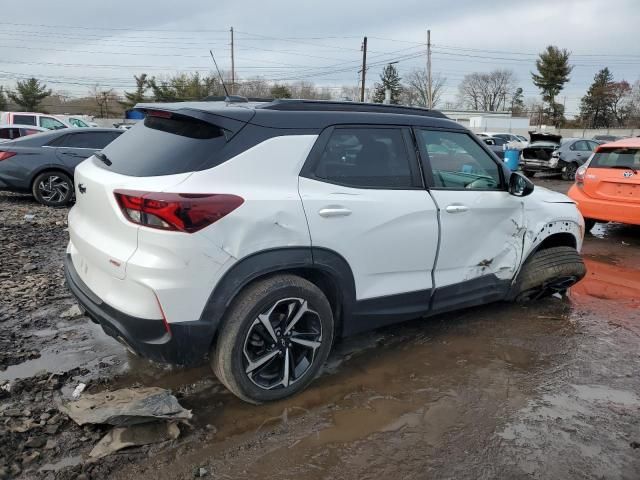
(187, 344)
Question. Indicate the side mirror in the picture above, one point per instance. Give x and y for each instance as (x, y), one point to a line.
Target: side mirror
(519, 185)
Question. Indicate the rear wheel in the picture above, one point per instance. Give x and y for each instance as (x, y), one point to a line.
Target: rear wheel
(53, 189)
(569, 172)
(549, 271)
(589, 223)
(275, 337)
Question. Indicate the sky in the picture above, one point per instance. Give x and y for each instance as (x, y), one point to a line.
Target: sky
(72, 45)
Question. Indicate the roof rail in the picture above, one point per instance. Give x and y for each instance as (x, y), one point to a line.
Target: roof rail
(333, 106)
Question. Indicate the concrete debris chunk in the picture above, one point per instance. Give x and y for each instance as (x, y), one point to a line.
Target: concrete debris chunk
(127, 406)
(78, 390)
(134, 435)
(72, 312)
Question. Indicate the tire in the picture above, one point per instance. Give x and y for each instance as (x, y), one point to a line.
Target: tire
(53, 189)
(549, 271)
(589, 223)
(529, 173)
(243, 340)
(569, 172)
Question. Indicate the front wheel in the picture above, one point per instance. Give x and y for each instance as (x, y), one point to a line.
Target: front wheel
(53, 189)
(549, 271)
(275, 337)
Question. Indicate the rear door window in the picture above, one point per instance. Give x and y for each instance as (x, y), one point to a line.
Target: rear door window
(24, 119)
(366, 158)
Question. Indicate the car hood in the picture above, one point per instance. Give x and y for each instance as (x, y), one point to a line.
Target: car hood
(549, 196)
(545, 137)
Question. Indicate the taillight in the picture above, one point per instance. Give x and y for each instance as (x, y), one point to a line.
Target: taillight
(5, 155)
(184, 212)
(580, 173)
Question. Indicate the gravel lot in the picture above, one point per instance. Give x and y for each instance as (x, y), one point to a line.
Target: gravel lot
(547, 390)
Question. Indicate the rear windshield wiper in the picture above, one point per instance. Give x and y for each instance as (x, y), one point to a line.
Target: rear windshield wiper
(103, 158)
(626, 167)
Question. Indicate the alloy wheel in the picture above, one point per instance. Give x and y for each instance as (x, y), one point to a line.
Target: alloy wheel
(281, 344)
(54, 189)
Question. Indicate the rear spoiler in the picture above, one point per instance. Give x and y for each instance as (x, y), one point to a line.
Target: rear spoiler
(229, 119)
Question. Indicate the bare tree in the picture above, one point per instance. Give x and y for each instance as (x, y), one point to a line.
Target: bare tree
(487, 91)
(415, 92)
(308, 90)
(106, 100)
(256, 87)
(352, 93)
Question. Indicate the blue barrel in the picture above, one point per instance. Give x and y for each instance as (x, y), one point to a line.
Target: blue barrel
(512, 159)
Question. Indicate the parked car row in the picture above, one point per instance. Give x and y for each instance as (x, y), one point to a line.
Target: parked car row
(43, 164)
(43, 120)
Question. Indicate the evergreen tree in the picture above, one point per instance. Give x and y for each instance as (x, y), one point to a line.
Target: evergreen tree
(29, 94)
(553, 72)
(389, 79)
(517, 102)
(596, 107)
(280, 91)
(132, 98)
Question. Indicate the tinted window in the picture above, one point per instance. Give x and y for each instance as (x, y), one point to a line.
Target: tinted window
(92, 140)
(366, 157)
(9, 133)
(458, 162)
(24, 119)
(51, 123)
(617, 157)
(165, 146)
(582, 146)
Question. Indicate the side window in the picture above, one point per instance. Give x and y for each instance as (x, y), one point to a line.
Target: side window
(366, 157)
(592, 146)
(583, 146)
(24, 119)
(457, 162)
(90, 140)
(51, 123)
(76, 122)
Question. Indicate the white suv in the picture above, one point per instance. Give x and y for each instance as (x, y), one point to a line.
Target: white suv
(257, 234)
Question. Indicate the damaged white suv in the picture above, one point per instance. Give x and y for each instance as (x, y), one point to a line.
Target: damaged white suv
(256, 234)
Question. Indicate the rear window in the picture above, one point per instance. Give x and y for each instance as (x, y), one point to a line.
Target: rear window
(24, 119)
(617, 158)
(165, 145)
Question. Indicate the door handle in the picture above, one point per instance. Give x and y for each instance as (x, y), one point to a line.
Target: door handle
(334, 212)
(456, 208)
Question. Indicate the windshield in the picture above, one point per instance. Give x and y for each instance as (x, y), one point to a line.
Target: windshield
(616, 158)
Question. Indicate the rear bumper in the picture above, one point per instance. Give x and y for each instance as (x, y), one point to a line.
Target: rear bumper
(605, 210)
(187, 343)
(538, 166)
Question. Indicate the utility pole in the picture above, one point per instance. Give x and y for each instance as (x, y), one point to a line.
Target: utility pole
(429, 92)
(233, 67)
(364, 67)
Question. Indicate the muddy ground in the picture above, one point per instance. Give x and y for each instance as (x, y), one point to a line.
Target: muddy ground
(547, 390)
